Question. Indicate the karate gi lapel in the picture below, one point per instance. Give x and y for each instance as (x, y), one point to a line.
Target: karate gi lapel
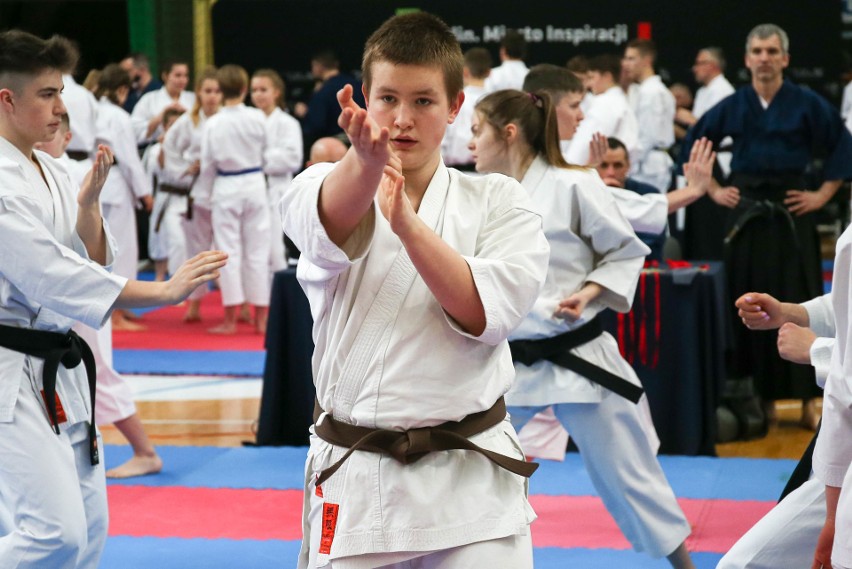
(387, 302)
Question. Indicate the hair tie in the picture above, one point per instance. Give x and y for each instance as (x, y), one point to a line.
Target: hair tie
(537, 101)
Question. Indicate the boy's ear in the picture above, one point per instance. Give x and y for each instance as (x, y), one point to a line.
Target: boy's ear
(455, 107)
(6, 97)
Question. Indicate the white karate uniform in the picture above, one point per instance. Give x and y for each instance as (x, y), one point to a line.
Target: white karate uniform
(150, 105)
(169, 211)
(54, 498)
(654, 107)
(124, 186)
(508, 75)
(82, 109)
(833, 452)
(705, 99)
(234, 140)
(388, 356)
(610, 114)
(592, 242)
(457, 136)
(182, 145)
(282, 159)
(786, 537)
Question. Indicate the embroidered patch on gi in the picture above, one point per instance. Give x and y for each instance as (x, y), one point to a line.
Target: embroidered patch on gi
(319, 491)
(60, 411)
(329, 522)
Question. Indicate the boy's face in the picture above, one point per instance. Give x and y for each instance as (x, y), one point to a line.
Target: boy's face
(411, 102)
(569, 114)
(33, 111)
(614, 167)
(599, 82)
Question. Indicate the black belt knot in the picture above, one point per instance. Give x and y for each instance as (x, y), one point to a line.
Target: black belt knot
(556, 350)
(56, 348)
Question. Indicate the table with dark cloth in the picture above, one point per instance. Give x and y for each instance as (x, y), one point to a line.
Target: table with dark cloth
(681, 361)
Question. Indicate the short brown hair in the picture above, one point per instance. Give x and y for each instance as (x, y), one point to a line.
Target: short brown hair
(416, 38)
(478, 62)
(233, 81)
(113, 77)
(644, 47)
(606, 63)
(22, 53)
(555, 80)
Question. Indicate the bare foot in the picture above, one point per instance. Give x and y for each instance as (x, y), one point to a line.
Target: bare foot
(223, 328)
(119, 322)
(190, 316)
(245, 313)
(137, 466)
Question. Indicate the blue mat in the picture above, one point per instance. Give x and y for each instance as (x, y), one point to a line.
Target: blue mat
(181, 362)
(282, 468)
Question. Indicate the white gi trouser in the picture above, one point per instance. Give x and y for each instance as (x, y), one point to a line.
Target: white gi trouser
(786, 537)
(169, 242)
(199, 237)
(55, 492)
(277, 254)
(114, 397)
(121, 218)
(622, 464)
(841, 554)
(241, 229)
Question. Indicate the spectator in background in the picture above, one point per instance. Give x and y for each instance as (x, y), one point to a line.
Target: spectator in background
(579, 66)
(512, 69)
(477, 67)
(148, 113)
(137, 65)
(319, 118)
(654, 106)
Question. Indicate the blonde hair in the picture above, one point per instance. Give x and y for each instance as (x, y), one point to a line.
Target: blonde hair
(206, 73)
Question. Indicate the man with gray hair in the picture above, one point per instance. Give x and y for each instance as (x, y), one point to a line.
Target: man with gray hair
(778, 129)
(709, 68)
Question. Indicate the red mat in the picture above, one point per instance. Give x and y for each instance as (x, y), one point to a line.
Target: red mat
(563, 521)
(167, 331)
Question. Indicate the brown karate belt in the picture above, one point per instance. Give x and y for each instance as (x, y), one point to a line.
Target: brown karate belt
(410, 446)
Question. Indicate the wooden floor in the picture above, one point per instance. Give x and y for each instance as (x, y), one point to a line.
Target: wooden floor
(232, 422)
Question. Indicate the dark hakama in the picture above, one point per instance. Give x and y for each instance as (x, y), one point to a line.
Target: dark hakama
(771, 251)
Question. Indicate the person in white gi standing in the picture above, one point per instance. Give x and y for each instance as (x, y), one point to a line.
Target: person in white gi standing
(182, 162)
(53, 271)
(512, 69)
(233, 144)
(562, 355)
(415, 274)
(148, 112)
(128, 183)
(283, 156)
(654, 107)
(477, 66)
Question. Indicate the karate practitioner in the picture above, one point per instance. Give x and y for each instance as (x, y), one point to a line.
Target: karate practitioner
(595, 261)
(512, 69)
(182, 162)
(283, 156)
(148, 111)
(53, 271)
(415, 274)
(128, 183)
(454, 151)
(160, 239)
(114, 400)
(654, 107)
(785, 538)
(233, 144)
(777, 128)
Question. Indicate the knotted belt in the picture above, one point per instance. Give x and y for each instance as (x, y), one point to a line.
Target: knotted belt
(54, 348)
(410, 446)
(556, 350)
(170, 190)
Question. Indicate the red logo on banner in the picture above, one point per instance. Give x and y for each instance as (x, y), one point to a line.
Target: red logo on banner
(643, 30)
(329, 522)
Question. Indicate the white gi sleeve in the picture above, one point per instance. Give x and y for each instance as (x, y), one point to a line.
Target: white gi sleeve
(510, 263)
(647, 213)
(821, 316)
(301, 222)
(202, 190)
(49, 273)
(283, 154)
(820, 352)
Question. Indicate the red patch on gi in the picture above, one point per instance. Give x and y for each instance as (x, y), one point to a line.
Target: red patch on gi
(60, 412)
(329, 522)
(319, 492)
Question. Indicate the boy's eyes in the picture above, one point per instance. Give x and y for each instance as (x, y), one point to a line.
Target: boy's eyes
(424, 102)
(388, 99)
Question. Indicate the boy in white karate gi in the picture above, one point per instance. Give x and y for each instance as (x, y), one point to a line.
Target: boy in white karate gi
(233, 143)
(52, 272)
(415, 274)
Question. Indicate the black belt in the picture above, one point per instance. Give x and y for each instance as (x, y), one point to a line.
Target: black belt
(54, 348)
(556, 350)
(412, 445)
(169, 189)
(78, 155)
